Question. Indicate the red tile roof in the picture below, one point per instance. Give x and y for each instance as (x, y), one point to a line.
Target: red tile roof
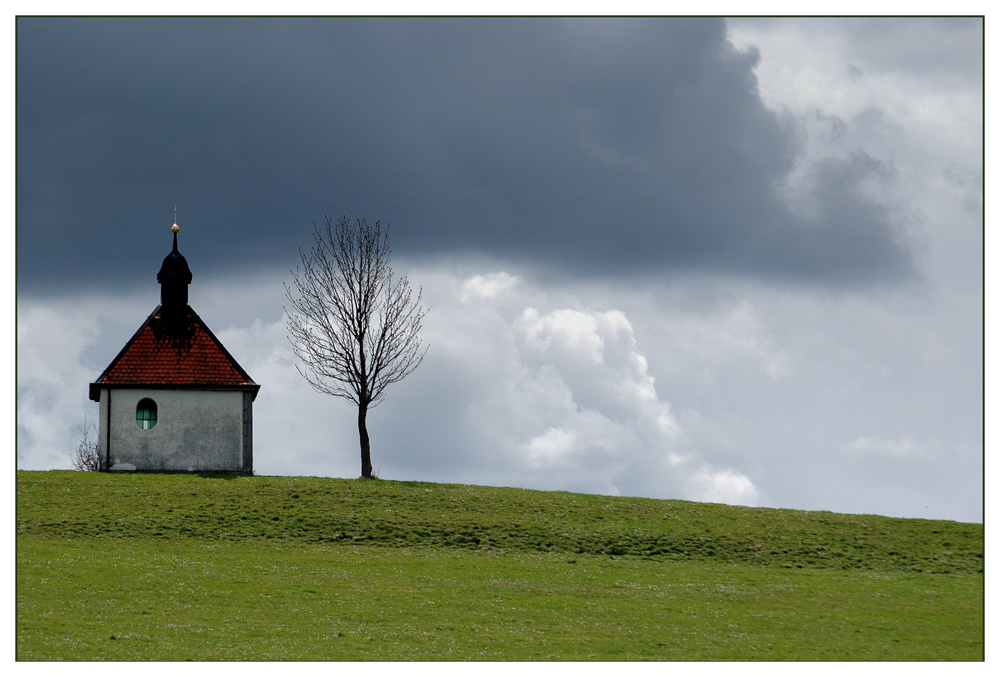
(185, 354)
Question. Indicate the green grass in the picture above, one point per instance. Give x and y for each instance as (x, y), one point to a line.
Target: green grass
(176, 567)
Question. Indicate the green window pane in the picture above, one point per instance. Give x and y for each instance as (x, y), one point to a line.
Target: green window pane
(145, 413)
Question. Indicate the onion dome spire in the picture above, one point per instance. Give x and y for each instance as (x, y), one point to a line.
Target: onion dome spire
(174, 276)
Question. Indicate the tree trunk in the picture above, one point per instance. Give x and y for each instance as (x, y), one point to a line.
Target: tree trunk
(366, 449)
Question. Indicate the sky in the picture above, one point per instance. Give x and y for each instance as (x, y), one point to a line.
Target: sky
(736, 261)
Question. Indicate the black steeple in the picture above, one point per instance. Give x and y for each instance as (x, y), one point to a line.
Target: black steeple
(174, 278)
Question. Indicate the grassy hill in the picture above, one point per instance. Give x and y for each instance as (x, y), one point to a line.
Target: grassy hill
(180, 566)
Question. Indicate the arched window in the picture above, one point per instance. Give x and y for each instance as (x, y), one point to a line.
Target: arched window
(145, 413)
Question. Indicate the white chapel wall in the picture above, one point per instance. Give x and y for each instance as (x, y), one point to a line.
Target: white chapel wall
(196, 430)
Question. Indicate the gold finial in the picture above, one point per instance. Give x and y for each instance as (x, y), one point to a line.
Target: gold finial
(174, 228)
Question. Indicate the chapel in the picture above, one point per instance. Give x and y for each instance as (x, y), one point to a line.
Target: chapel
(174, 399)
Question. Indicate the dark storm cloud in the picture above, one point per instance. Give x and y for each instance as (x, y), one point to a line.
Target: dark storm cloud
(591, 146)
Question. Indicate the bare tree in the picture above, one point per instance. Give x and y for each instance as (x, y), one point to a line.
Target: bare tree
(85, 455)
(353, 326)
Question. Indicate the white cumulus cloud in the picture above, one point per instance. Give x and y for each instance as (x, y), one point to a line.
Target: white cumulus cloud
(487, 287)
(722, 486)
(542, 391)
